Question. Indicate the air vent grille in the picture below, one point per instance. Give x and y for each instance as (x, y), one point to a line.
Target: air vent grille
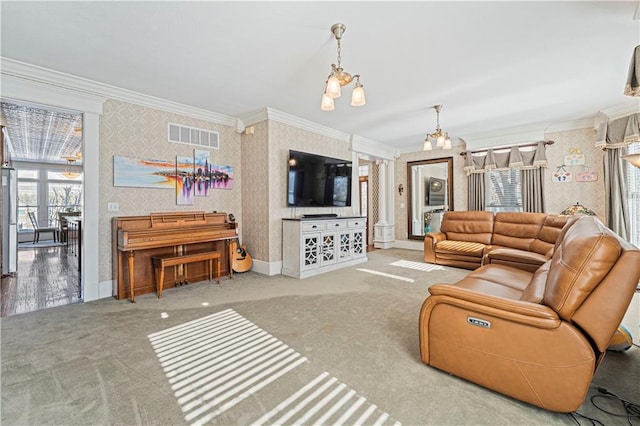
(193, 136)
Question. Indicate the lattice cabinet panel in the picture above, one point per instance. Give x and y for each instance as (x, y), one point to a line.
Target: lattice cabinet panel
(311, 247)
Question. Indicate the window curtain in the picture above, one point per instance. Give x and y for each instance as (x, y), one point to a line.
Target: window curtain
(531, 162)
(475, 191)
(614, 136)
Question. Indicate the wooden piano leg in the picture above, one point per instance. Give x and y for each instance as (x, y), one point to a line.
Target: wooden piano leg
(230, 252)
(131, 259)
(160, 284)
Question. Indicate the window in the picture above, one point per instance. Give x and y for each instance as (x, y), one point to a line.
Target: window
(46, 191)
(633, 190)
(502, 191)
(27, 197)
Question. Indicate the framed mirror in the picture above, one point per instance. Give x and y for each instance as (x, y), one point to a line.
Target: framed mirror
(430, 194)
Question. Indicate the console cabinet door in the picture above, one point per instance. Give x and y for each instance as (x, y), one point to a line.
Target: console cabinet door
(344, 245)
(311, 243)
(328, 249)
(359, 243)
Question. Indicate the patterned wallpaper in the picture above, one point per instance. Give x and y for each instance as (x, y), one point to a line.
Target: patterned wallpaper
(255, 191)
(559, 196)
(283, 137)
(140, 132)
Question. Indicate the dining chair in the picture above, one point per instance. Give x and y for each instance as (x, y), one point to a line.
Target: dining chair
(37, 229)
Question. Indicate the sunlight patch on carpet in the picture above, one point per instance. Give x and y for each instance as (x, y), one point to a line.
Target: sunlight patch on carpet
(420, 266)
(215, 362)
(384, 274)
(325, 401)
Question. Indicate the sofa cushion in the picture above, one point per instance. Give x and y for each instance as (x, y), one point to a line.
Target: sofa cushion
(465, 248)
(548, 234)
(534, 292)
(581, 260)
(516, 230)
(497, 280)
(474, 226)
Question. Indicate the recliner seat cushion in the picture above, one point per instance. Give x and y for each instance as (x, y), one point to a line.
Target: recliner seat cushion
(465, 248)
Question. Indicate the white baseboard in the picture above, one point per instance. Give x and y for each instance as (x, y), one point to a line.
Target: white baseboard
(106, 289)
(267, 268)
(409, 244)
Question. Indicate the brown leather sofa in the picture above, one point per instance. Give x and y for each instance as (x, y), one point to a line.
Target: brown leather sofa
(535, 336)
(467, 239)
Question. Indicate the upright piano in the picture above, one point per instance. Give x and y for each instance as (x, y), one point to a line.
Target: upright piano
(136, 239)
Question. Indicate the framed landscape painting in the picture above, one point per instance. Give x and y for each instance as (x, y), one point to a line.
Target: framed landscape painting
(184, 180)
(143, 173)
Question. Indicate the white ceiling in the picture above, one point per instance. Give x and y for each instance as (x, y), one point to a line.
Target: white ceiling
(493, 65)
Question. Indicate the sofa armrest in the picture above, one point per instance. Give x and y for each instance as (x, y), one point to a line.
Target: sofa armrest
(521, 259)
(519, 311)
(430, 241)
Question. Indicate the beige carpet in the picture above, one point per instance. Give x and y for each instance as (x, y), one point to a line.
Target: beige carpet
(346, 335)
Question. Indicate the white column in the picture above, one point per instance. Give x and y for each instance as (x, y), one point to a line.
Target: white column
(383, 230)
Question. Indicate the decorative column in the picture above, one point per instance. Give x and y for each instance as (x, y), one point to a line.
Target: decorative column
(383, 236)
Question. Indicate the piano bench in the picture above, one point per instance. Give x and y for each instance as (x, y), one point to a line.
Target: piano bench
(161, 262)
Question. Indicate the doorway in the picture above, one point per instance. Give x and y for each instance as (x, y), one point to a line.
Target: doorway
(364, 194)
(44, 147)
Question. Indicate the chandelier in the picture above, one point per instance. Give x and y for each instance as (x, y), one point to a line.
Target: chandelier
(69, 172)
(441, 138)
(339, 78)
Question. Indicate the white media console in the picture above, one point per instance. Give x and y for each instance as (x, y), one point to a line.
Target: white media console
(314, 245)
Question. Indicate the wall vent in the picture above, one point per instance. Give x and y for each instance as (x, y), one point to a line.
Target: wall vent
(192, 136)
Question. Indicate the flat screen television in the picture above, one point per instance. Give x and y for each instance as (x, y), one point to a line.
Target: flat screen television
(318, 181)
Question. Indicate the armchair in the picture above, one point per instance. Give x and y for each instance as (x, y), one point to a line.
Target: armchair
(535, 336)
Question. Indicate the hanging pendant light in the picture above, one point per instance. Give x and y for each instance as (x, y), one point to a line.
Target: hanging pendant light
(339, 77)
(441, 138)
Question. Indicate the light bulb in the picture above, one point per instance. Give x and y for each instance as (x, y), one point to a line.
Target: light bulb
(327, 103)
(440, 141)
(333, 87)
(357, 97)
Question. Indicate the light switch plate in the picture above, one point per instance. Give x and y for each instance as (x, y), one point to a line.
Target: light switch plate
(113, 207)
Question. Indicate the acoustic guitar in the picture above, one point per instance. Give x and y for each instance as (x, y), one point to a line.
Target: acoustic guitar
(240, 258)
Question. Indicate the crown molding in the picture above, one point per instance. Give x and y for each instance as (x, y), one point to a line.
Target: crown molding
(44, 76)
(372, 149)
(563, 126)
(506, 137)
(254, 117)
(621, 110)
(301, 123)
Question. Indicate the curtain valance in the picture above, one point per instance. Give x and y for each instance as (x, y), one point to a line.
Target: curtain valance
(523, 158)
(619, 133)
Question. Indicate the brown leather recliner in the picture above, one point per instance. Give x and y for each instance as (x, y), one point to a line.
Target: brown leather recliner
(537, 337)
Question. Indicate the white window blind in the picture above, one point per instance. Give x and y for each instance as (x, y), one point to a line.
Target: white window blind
(502, 191)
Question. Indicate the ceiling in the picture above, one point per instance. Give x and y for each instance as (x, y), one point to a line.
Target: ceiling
(42, 135)
(492, 65)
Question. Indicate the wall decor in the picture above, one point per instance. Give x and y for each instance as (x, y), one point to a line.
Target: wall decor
(561, 175)
(185, 179)
(143, 173)
(221, 177)
(587, 174)
(574, 158)
(202, 165)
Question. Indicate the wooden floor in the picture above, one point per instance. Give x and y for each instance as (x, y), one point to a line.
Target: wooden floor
(46, 277)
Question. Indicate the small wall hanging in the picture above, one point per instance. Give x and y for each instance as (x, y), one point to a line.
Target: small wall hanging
(574, 158)
(562, 175)
(587, 174)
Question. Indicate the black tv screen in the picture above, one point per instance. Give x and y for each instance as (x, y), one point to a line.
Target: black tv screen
(318, 181)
